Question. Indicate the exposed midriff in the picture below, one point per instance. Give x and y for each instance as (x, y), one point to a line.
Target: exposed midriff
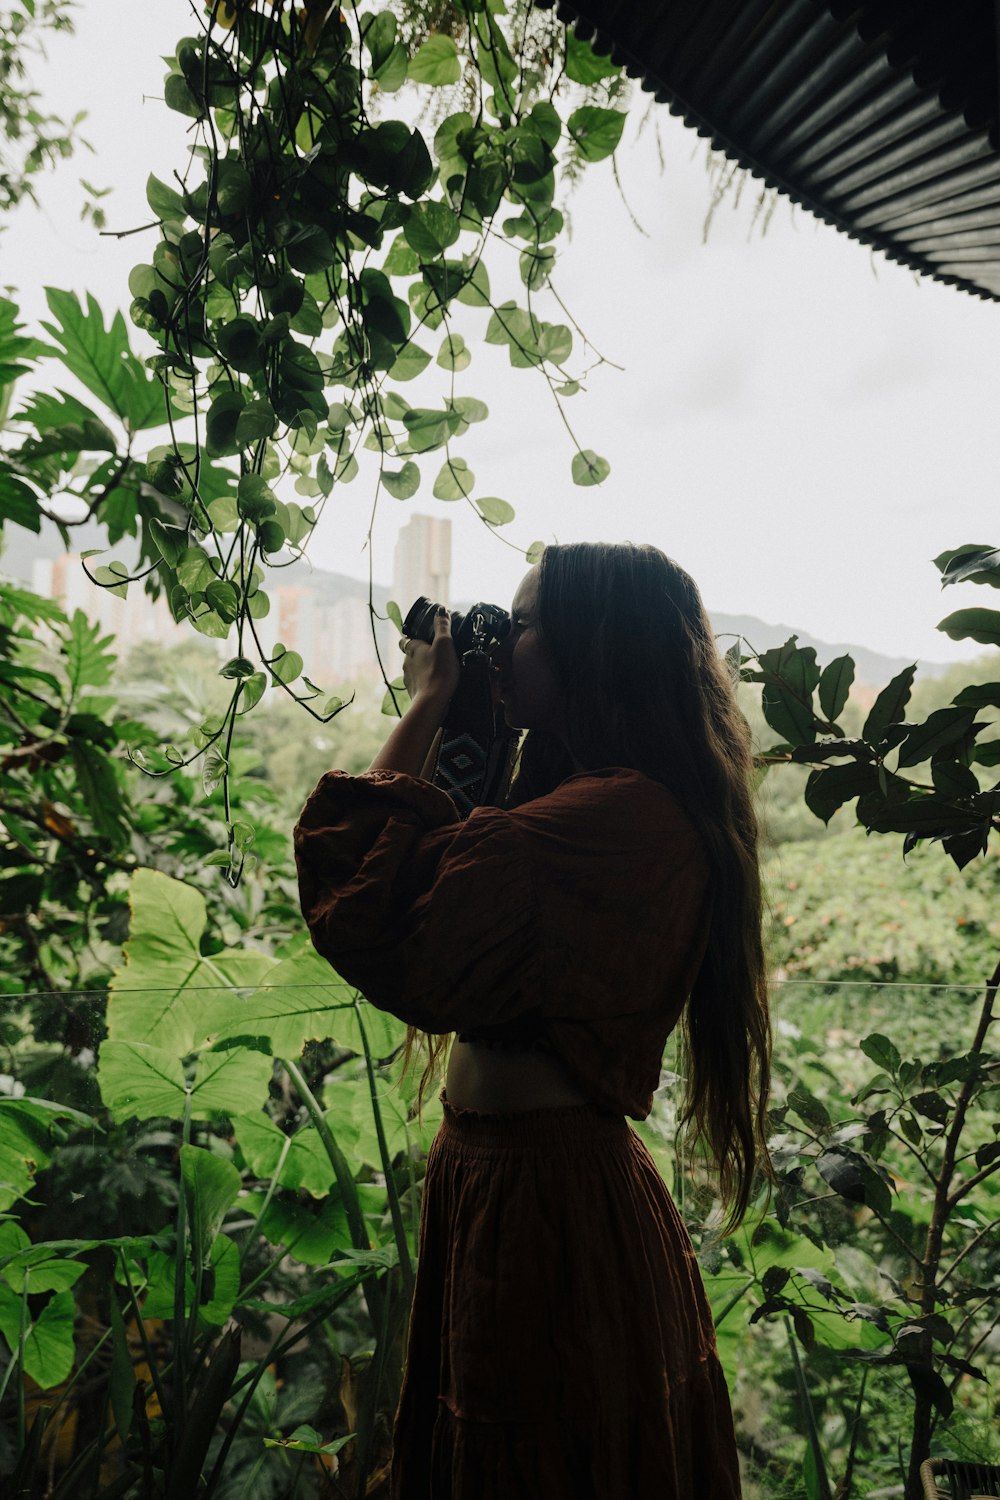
(502, 1080)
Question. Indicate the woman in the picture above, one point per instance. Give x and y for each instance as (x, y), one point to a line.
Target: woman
(560, 1342)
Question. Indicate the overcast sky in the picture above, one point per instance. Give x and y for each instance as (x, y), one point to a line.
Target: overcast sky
(801, 424)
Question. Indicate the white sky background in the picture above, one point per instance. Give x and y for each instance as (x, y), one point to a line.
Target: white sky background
(801, 424)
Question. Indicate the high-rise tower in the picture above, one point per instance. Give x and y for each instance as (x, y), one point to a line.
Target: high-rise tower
(422, 563)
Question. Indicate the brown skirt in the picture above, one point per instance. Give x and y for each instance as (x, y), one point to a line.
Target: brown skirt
(560, 1343)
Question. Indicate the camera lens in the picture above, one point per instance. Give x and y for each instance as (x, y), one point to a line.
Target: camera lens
(483, 626)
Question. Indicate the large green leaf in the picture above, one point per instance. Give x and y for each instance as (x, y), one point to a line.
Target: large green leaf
(302, 1000)
(975, 563)
(981, 625)
(431, 228)
(979, 695)
(210, 1187)
(312, 1233)
(141, 1081)
(519, 330)
(409, 363)
(224, 1261)
(829, 788)
(583, 64)
(166, 202)
(427, 429)
(158, 1284)
(89, 436)
(497, 512)
(18, 502)
(403, 483)
(166, 986)
(455, 480)
(90, 661)
(790, 675)
(102, 360)
(589, 467)
(228, 1079)
(852, 1175)
(98, 784)
(941, 728)
(890, 705)
(45, 410)
(43, 1275)
(596, 131)
(15, 346)
(222, 424)
(401, 1133)
(435, 61)
(300, 1160)
(835, 686)
(26, 1144)
(47, 1355)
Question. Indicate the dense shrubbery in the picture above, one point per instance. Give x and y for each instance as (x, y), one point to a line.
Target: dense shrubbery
(847, 907)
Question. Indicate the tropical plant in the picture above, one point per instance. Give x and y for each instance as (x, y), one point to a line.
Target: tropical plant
(308, 249)
(77, 817)
(928, 780)
(273, 1234)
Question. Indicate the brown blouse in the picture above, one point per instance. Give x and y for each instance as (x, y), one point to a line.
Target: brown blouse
(578, 919)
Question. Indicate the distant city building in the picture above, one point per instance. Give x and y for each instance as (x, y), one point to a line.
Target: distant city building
(333, 636)
(131, 620)
(423, 561)
(325, 617)
(349, 651)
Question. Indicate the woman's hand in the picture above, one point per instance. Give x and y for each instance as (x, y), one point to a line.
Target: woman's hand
(431, 672)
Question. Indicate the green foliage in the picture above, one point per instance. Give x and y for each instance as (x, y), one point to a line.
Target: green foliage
(947, 801)
(847, 908)
(326, 1251)
(101, 360)
(844, 1259)
(77, 816)
(32, 140)
(929, 780)
(308, 244)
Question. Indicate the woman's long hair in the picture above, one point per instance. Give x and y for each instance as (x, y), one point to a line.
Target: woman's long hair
(627, 635)
(644, 686)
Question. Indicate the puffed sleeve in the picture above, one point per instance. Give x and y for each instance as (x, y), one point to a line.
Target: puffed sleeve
(431, 918)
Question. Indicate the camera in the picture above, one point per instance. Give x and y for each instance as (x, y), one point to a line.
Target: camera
(482, 627)
(476, 748)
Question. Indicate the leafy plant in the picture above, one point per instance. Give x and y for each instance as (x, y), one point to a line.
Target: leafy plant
(263, 1184)
(76, 818)
(32, 139)
(929, 781)
(305, 255)
(847, 908)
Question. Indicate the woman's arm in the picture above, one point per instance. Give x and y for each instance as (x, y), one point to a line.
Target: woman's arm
(430, 673)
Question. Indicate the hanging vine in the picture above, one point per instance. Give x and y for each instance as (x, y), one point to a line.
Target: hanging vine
(309, 262)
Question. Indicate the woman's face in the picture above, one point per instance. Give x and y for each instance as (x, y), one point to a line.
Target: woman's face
(528, 688)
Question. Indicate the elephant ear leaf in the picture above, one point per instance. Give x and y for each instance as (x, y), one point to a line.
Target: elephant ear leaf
(167, 992)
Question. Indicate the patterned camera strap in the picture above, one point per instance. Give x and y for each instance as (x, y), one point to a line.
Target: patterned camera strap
(472, 756)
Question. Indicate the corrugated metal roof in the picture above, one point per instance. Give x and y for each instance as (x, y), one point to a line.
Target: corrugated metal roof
(879, 116)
